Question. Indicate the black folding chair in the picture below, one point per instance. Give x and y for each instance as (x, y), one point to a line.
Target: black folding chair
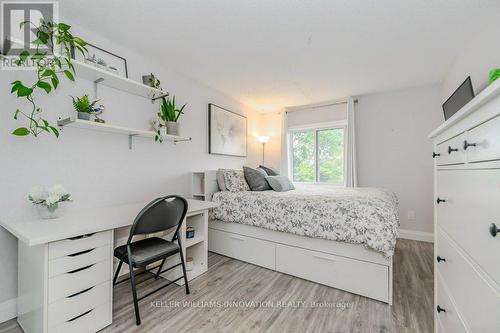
(159, 215)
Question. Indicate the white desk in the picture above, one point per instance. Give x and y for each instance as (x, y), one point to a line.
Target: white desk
(65, 265)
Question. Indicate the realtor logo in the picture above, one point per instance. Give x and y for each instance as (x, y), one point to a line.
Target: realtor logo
(19, 20)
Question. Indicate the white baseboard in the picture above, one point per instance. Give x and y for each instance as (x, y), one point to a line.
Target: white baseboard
(8, 310)
(416, 235)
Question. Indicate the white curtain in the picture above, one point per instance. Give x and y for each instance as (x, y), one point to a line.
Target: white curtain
(351, 176)
(284, 143)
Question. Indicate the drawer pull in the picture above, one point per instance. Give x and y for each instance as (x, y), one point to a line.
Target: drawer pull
(80, 253)
(324, 258)
(467, 145)
(440, 309)
(80, 269)
(79, 316)
(451, 150)
(439, 200)
(434, 154)
(237, 238)
(82, 236)
(494, 230)
(439, 259)
(80, 292)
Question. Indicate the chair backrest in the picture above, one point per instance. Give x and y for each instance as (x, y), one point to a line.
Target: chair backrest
(159, 215)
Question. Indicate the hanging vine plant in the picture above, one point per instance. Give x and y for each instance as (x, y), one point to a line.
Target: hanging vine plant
(51, 58)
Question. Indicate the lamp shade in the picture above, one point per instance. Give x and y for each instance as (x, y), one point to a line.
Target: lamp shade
(263, 139)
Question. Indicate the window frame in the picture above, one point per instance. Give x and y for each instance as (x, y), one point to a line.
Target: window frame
(316, 127)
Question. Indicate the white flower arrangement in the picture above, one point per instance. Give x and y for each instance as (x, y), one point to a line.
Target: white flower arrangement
(50, 197)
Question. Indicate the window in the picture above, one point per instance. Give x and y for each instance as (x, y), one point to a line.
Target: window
(317, 154)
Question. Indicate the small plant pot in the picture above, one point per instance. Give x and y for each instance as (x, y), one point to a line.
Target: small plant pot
(172, 128)
(83, 115)
(148, 80)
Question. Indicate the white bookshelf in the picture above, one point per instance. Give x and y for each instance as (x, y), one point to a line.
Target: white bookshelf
(130, 132)
(202, 184)
(101, 76)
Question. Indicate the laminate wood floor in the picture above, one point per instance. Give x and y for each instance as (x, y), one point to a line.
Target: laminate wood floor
(236, 282)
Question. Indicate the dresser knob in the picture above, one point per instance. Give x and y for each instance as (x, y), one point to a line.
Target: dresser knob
(439, 259)
(494, 230)
(434, 155)
(440, 309)
(439, 200)
(467, 145)
(450, 150)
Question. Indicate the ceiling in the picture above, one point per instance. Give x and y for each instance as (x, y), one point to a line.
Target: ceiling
(274, 53)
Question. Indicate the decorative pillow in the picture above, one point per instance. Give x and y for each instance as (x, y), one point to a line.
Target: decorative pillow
(256, 179)
(270, 171)
(220, 180)
(235, 181)
(280, 183)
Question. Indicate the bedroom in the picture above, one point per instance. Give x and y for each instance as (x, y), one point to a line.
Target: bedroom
(344, 99)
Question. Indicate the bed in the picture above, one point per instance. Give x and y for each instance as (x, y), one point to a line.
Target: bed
(343, 238)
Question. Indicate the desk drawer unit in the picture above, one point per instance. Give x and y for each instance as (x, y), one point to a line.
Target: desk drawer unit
(79, 244)
(92, 320)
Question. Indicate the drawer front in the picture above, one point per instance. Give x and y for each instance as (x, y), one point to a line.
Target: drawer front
(79, 244)
(361, 277)
(92, 321)
(472, 204)
(78, 260)
(451, 151)
(478, 302)
(248, 249)
(450, 320)
(72, 306)
(486, 138)
(70, 283)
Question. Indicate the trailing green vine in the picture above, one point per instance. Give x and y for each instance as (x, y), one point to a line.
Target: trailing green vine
(52, 38)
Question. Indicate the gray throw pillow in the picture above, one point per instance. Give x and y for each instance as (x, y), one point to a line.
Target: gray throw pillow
(256, 179)
(280, 183)
(270, 171)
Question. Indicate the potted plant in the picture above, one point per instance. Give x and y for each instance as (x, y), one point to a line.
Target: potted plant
(169, 114)
(49, 202)
(83, 106)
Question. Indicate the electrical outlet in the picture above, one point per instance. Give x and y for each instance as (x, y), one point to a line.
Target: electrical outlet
(411, 215)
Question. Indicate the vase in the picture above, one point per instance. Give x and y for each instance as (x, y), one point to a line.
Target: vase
(172, 128)
(55, 212)
(83, 115)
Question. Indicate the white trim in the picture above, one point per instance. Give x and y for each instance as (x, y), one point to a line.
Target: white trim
(315, 105)
(416, 235)
(8, 310)
(318, 126)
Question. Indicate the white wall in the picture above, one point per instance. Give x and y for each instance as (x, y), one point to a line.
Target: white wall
(478, 57)
(98, 168)
(393, 150)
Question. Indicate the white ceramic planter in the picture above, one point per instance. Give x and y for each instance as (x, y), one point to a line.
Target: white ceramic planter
(172, 127)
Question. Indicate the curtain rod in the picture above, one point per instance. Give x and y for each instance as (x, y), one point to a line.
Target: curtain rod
(318, 106)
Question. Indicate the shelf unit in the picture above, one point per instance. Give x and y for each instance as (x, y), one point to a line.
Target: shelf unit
(203, 182)
(196, 248)
(101, 76)
(131, 132)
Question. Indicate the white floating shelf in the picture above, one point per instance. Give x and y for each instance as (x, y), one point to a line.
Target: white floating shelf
(131, 132)
(101, 76)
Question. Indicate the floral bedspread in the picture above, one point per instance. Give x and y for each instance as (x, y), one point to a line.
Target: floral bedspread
(367, 216)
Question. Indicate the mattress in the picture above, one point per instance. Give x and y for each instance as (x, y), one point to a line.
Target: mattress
(367, 216)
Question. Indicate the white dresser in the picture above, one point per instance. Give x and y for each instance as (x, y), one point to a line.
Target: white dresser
(467, 217)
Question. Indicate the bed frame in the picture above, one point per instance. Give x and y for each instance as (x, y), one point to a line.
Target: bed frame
(345, 266)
